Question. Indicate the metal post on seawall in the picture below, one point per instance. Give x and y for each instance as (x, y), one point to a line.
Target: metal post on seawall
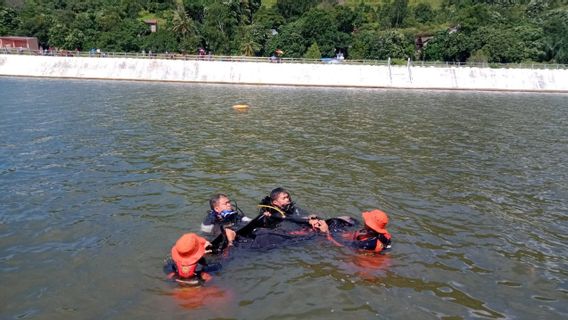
(390, 72)
(409, 70)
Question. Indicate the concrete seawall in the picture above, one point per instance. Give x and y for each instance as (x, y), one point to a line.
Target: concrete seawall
(293, 74)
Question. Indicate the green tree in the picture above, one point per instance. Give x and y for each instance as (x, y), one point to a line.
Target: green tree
(291, 9)
(289, 40)
(245, 8)
(533, 40)
(161, 41)
(556, 39)
(313, 52)
(182, 23)
(195, 9)
(36, 21)
(495, 30)
(251, 39)
(106, 19)
(9, 21)
(345, 19)
(501, 46)
(83, 31)
(219, 27)
(57, 34)
(381, 45)
(128, 36)
(423, 13)
(364, 14)
(478, 56)
(269, 18)
(449, 46)
(398, 10)
(472, 17)
(186, 29)
(319, 26)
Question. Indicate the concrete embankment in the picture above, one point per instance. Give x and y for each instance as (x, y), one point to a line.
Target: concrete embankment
(293, 74)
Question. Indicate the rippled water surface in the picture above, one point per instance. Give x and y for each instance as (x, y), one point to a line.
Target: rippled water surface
(98, 179)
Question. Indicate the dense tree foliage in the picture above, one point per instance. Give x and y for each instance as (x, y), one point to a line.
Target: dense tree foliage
(494, 31)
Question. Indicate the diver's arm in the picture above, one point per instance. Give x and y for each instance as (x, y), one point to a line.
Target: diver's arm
(297, 219)
(208, 223)
(206, 228)
(231, 236)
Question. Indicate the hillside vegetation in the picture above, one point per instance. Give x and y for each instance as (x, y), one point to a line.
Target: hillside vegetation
(499, 31)
(354, 3)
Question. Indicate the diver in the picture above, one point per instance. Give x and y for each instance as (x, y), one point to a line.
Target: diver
(278, 206)
(278, 222)
(222, 214)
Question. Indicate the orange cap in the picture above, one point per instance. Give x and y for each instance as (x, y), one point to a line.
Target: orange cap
(376, 220)
(189, 248)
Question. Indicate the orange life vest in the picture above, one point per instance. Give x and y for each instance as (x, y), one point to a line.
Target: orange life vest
(184, 269)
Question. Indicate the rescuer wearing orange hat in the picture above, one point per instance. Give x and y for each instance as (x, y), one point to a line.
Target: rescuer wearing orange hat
(374, 236)
(187, 252)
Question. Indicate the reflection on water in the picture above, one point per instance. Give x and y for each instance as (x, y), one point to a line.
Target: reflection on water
(98, 179)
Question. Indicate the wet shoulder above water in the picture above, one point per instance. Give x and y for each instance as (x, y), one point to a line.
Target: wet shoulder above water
(98, 179)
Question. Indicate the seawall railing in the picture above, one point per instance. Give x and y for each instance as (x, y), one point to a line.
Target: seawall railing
(179, 56)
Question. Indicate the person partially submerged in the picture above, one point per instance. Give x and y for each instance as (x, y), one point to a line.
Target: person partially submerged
(279, 206)
(187, 265)
(222, 214)
(279, 222)
(374, 236)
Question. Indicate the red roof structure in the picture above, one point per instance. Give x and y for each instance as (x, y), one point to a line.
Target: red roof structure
(29, 43)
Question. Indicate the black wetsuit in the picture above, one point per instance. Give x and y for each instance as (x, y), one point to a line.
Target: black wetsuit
(255, 235)
(264, 238)
(291, 212)
(266, 232)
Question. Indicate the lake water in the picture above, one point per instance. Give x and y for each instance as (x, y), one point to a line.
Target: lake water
(99, 178)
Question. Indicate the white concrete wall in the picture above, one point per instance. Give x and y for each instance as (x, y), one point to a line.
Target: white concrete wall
(265, 73)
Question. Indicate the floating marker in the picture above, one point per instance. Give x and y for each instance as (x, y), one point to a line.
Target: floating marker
(240, 106)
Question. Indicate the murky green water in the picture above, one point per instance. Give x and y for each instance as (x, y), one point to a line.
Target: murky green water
(98, 179)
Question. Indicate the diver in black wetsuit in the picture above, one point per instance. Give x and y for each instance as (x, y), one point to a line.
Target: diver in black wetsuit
(279, 221)
(278, 206)
(222, 214)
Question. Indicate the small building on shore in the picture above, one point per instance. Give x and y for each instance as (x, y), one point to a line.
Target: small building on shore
(28, 43)
(153, 24)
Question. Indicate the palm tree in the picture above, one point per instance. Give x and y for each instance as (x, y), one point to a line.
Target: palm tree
(249, 48)
(183, 24)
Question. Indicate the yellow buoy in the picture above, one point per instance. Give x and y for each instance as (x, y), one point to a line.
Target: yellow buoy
(241, 107)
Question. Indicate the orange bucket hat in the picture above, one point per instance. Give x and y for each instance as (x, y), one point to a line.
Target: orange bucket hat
(189, 248)
(376, 220)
